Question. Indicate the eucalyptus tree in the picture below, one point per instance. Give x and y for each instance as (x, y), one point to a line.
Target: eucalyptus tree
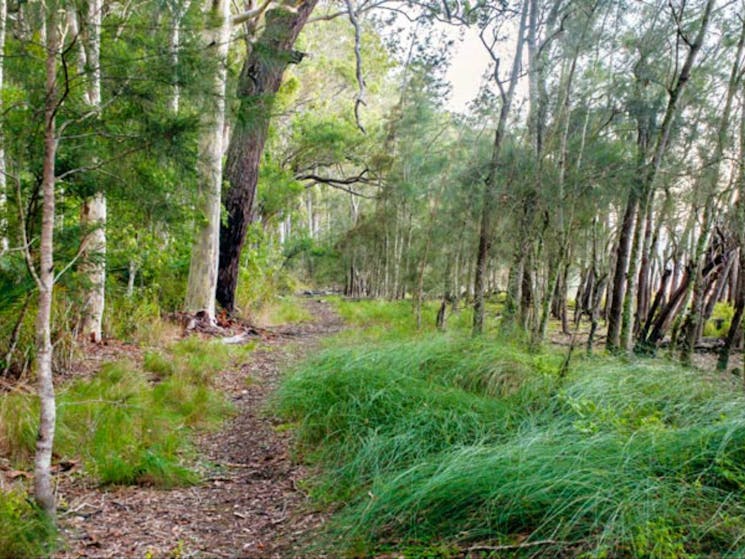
(93, 212)
(258, 84)
(202, 282)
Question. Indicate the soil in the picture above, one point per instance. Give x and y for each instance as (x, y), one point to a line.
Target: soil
(248, 504)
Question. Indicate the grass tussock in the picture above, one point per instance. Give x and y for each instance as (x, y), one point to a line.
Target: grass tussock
(456, 440)
(129, 426)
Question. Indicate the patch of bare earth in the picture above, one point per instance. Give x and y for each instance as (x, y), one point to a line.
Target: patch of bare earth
(248, 504)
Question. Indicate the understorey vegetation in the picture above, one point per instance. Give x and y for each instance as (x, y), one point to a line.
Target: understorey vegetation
(440, 443)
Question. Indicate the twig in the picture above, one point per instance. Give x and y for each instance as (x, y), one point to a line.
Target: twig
(24, 235)
(512, 547)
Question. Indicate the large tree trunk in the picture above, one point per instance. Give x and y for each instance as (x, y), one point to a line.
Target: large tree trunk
(43, 491)
(260, 79)
(203, 268)
(93, 215)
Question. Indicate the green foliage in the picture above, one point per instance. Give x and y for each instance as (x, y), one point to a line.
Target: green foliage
(721, 319)
(26, 532)
(135, 319)
(453, 440)
(126, 429)
(393, 319)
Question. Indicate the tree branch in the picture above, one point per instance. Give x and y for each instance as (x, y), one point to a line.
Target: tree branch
(360, 100)
(251, 14)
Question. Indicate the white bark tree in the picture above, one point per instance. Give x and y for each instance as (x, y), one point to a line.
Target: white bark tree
(3, 182)
(200, 294)
(93, 213)
(44, 278)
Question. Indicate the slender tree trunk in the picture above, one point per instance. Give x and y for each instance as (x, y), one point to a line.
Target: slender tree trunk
(93, 215)
(734, 329)
(259, 82)
(710, 180)
(643, 190)
(3, 182)
(623, 251)
(205, 254)
(490, 185)
(43, 491)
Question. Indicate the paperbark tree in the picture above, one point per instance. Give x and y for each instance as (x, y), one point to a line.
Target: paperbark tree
(93, 213)
(258, 84)
(3, 181)
(43, 491)
(202, 284)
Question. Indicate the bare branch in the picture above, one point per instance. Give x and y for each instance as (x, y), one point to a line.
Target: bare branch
(517, 546)
(251, 14)
(24, 235)
(360, 100)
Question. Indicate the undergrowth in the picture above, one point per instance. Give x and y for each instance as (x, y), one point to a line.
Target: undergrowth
(448, 440)
(25, 531)
(128, 425)
(381, 319)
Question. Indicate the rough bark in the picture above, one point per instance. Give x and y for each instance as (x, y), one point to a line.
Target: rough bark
(203, 268)
(259, 81)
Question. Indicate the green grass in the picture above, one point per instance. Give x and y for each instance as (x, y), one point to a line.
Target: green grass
(24, 530)
(391, 320)
(284, 310)
(446, 440)
(127, 427)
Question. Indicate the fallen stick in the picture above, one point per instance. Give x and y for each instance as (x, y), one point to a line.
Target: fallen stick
(512, 547)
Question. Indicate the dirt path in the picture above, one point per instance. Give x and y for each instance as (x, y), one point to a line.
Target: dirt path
(248, 504)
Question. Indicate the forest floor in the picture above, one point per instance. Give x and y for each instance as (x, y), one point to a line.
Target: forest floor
(248, 503)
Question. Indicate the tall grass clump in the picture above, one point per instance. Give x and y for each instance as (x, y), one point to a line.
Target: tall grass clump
(366, 412)
(125, 425)
(25, 531)
(455, 440)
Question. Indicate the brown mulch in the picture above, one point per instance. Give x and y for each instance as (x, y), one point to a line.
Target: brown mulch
(248, 504)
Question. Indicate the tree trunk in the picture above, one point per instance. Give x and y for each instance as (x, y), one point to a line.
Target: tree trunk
(490, 184)
(647, 174)
(3, 182)
(258, 84)
(93, 215)
(43, 491)
(203, 268)
(623, 251)
(710, 180)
